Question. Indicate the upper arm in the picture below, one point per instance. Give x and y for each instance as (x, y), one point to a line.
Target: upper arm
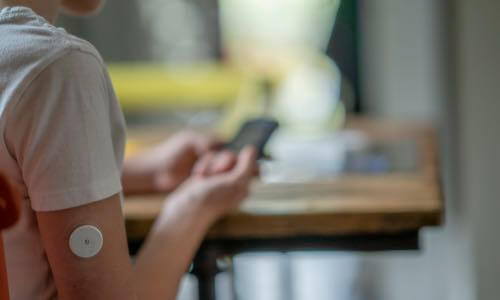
(66, 134)
(107, 275)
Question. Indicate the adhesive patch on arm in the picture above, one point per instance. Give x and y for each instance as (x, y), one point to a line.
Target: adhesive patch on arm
(86, 241)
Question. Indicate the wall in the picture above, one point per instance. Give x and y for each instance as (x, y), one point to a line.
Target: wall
(478, 100)
(404, 77)
(400, 57)
(441, 59)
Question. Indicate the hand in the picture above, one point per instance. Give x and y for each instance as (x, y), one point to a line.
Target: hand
(165, 167)
(216, 162)
(219, 193)
(183, 222)
(175, 159)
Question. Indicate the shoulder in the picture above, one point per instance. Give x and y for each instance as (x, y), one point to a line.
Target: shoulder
(46, 70)
(36, 55)
(30, 45)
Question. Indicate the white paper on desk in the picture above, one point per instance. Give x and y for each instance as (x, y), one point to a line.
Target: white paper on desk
(303, 159)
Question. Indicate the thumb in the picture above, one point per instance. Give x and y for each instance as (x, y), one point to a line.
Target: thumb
(246, 163)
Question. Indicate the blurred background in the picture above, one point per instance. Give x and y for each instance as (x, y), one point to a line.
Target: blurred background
(209, 63)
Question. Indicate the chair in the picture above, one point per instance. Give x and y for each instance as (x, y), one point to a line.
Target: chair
(9, 213)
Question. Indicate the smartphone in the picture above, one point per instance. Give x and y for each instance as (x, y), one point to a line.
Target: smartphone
(256, 132)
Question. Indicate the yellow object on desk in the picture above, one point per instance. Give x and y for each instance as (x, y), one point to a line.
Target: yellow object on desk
(156, 86)
(133, 147)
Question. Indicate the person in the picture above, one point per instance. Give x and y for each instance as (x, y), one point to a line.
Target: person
(61, 142)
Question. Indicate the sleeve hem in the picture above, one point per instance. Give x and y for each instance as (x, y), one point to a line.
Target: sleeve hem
(76, 197)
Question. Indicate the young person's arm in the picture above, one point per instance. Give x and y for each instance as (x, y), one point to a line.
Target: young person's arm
(108, 275)
(163, 168)
(167, 252)
(66, 133)
(187, 215)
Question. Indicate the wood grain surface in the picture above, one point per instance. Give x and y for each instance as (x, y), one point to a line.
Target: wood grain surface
(346, 204)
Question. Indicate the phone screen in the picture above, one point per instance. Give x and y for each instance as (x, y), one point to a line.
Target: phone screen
(254, 132)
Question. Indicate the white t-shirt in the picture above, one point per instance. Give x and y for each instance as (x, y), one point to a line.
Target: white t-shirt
(62, 136)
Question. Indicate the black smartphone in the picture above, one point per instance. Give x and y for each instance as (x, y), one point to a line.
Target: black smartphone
(254, 132)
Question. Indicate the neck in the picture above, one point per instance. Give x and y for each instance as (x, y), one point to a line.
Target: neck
(48, 9)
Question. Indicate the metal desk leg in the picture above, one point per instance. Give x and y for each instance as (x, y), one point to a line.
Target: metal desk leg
(205, 269)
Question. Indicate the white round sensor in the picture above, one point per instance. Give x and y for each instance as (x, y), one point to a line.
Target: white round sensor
(86, 241)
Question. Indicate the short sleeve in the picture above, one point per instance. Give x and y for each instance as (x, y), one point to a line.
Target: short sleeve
(67, 134)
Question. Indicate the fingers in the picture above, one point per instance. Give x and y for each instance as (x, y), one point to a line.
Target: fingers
(224, 192)
(198, 142)
(204, 143)
(212, 142)
(202, 167)
(246, 166)
(223, 162)
(215, 163)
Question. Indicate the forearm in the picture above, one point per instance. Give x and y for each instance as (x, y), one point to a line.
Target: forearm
(137, 177)
(169, 250)
(176, 235)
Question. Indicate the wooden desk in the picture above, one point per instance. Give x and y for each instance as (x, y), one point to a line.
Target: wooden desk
(368, 212)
